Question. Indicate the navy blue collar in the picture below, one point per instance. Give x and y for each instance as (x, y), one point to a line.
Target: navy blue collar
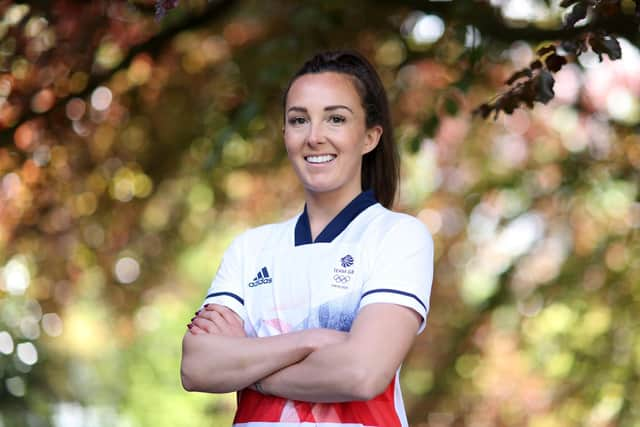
(337, 224)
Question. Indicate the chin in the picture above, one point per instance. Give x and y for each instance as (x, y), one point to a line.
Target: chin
(320, 189)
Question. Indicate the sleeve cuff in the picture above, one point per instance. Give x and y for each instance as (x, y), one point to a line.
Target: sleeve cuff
(395, 296)
(228, 299)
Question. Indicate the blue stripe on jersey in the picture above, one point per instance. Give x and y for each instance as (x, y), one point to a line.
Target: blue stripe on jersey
(337, 224)
(229, 294)
(395, 291)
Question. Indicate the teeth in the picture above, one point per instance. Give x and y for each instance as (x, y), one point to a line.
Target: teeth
(320, 159)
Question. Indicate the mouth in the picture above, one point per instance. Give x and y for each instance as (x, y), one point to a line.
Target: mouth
(320, 159)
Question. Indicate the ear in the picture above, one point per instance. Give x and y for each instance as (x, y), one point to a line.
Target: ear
(372, 137)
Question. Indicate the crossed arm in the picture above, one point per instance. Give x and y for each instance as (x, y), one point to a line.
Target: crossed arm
(317, 365)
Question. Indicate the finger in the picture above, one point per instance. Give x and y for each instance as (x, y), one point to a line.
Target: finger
(216, 314)
(226, 328)
(228, 314)
(207, 325)
(212, 316)
(193, 329)
(217, 323)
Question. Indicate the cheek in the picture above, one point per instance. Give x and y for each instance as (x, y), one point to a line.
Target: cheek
(288, 140)
(356, 141)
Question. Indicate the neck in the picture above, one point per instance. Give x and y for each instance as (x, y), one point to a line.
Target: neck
(323, 207)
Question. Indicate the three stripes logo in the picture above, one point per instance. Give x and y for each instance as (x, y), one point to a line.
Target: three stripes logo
(261, 279)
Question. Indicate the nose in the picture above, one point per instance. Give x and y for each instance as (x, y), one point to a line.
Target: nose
(316, 134)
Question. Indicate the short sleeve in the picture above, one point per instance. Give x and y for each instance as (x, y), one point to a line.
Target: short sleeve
(226, 288)
(402, 270)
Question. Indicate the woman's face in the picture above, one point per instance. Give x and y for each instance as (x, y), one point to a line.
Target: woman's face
(325, 133)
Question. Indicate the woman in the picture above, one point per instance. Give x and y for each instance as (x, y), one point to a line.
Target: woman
(310, 319)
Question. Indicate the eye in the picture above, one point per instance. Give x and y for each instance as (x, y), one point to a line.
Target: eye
(296, 121)
(336, 119)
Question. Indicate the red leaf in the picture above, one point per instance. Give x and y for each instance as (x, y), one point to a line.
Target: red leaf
(544, 86)
(484, 110)
(578, 12)
(555, 62)
(163, 5)
(601, 44)
(526, 72)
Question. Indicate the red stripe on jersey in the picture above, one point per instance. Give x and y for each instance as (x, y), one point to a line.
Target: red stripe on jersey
(254, 406)
(379, 411)
(305, 411)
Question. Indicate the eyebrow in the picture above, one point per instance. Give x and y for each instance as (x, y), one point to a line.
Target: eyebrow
(327, 108)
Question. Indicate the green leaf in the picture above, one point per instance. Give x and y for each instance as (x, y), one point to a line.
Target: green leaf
(451, 106)
(414, 144)
(430, 126)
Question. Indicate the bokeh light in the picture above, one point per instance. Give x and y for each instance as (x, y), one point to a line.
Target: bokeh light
(75, 109)
(52, 324)
(142, 172)
(16, 276)
(127, 270)
(427, 29)
(16, 386)
(27, 353)
(6, 343)
(101, 98)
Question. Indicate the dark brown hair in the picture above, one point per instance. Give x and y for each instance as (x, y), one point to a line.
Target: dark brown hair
(380, 167)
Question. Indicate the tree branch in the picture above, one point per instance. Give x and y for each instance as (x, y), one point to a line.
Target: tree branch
(488, 21)
(153, 46)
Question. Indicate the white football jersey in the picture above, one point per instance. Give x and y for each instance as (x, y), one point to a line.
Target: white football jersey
(279, 280)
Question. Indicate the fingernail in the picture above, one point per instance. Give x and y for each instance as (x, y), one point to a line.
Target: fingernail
(192, 319)
(196, 313)
(206, 305)
(189, 326)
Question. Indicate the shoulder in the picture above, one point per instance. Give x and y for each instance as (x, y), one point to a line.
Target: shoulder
(264, 234)
(399, 227)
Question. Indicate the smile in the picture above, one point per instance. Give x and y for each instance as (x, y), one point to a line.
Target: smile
(320, 159)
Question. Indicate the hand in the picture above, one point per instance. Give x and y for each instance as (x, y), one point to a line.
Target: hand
(217, 319)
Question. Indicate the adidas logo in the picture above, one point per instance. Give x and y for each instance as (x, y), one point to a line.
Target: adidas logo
(261, 279)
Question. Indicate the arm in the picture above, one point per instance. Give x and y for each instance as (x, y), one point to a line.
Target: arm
(394, 307)
(217, 357)
(220, 364)
(360, 368)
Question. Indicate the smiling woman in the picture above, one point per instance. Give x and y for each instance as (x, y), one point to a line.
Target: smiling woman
(310, 319)
(326, 137)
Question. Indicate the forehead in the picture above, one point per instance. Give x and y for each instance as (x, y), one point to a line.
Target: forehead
(326, 88)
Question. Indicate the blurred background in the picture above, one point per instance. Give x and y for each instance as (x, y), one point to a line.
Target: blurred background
(136, 141)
